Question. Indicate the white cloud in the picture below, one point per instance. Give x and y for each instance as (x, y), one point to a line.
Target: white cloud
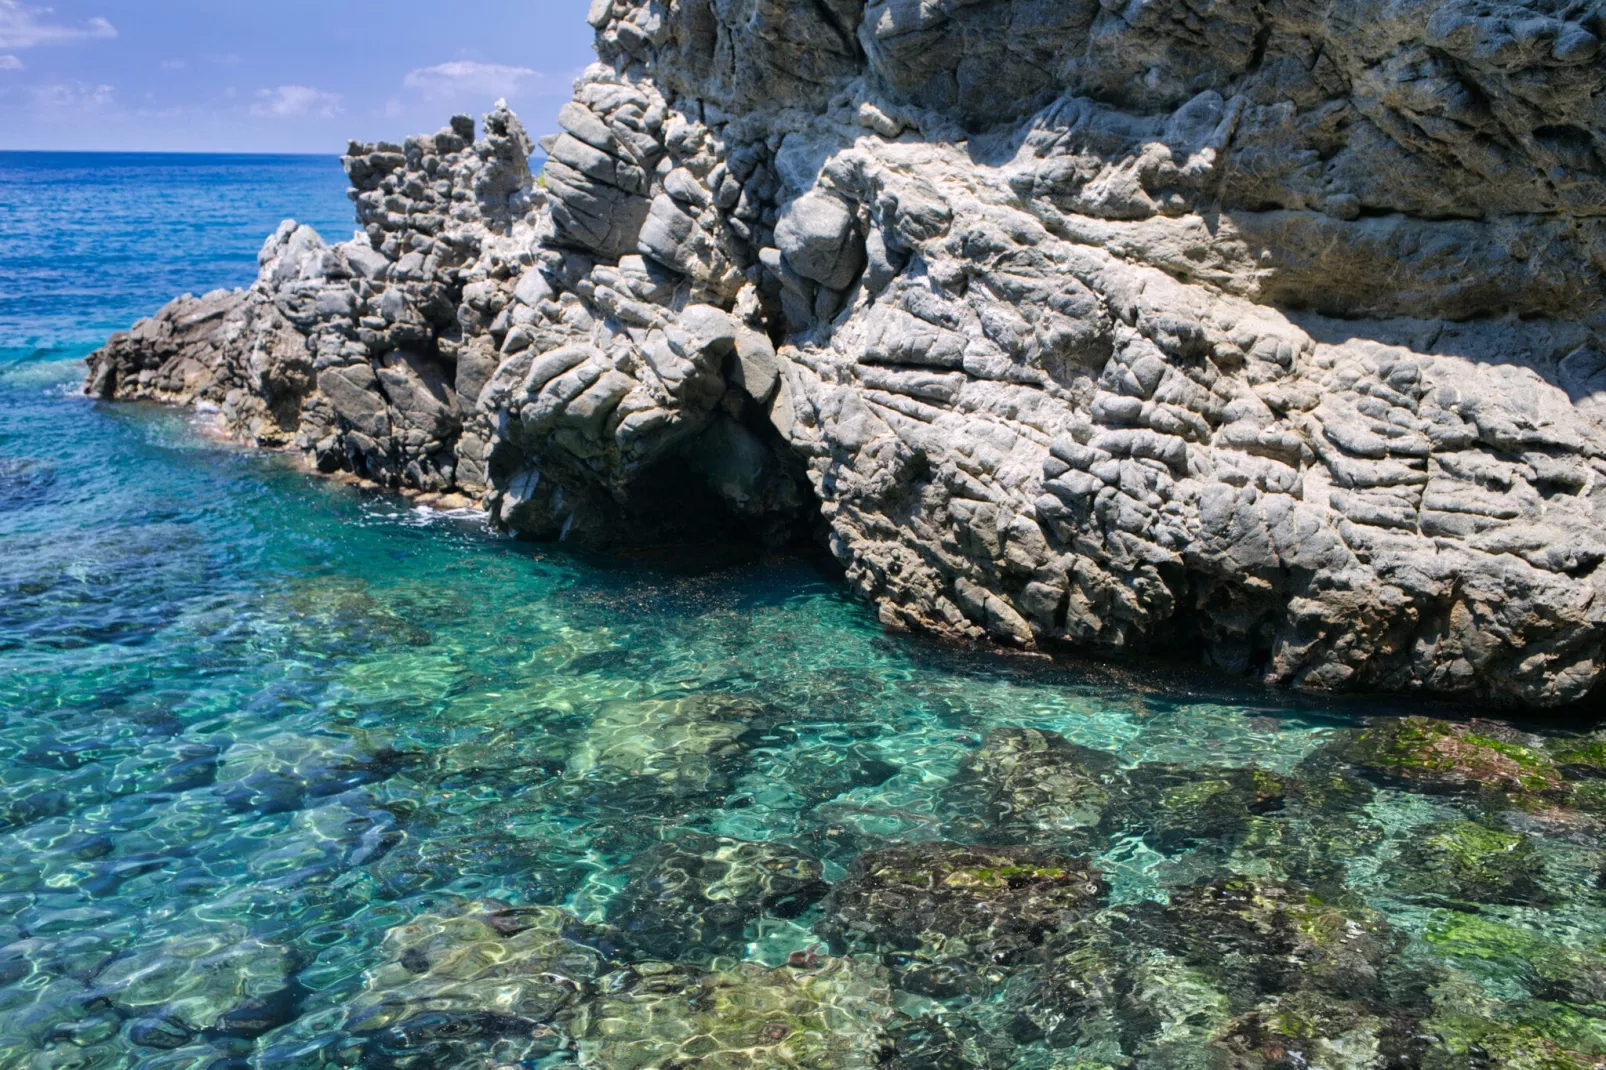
(22, 26)
(296, 101)
(173, 64)
(460, 78)
(73, 96)
(10, 63)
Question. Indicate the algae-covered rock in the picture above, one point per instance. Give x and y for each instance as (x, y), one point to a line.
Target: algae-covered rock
(339, 615)
(1450, 757)
(1260, 938)
(1470, 1042)
(1505, 953)
(1590, 796)
(1115, 1004)
(474, 982)
(1308, 1029)
(1581, 755)
(1311, 840)
(1584, 758)
(951, 917)
(660, 1017)
(1464, 861)
(694, 897)
(1311, 850)
(1469, 1030)
(1024, 784)
(682, 747)
(1174, 807)
(1234, 973)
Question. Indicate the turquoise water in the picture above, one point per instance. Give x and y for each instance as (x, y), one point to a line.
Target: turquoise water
(252, 722)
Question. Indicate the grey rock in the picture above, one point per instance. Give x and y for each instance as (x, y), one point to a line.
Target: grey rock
(817, 235)
(1085, 324)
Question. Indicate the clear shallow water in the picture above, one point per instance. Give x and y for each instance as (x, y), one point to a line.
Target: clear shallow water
(272, 752)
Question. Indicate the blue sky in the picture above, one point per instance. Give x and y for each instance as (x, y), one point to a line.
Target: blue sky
(279, 76)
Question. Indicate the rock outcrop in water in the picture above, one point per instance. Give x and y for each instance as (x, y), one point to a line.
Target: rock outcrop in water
(1271, 327)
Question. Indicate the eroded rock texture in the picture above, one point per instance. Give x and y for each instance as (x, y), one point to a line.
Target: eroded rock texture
(1271, 326)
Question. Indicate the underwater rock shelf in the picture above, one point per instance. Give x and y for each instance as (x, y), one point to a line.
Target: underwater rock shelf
(1307, 925)
(1270, 331)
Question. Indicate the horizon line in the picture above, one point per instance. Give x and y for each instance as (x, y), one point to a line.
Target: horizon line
(160, 152)
(536, 155)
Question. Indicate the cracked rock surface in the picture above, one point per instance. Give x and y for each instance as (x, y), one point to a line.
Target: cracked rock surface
(1274, 328)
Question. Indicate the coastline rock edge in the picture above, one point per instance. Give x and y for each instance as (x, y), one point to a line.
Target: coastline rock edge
(1279, 331)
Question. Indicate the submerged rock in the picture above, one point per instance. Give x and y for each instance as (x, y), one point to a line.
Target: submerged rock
(1237, 972)
(1471, 863)
(207, 984)
(820, 774)
(1311, 840)
(1273, 332)
(1581, 756)
(948, 1042)
(656, 1016)
(948, 918)
(480, 982)
(1470, 1029)
(1173, 807)
(1308, 1029)
(1258, 938)
(694, 897)
(1500, 765)
(1561, 969)
(678, 748)
(1030, 785)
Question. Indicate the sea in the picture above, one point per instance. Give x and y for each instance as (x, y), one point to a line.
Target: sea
(256, 727)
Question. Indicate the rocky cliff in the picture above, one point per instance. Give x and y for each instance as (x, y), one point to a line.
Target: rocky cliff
(1271, 326)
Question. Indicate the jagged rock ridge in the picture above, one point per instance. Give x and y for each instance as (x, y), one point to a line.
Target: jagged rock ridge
(1275, 326)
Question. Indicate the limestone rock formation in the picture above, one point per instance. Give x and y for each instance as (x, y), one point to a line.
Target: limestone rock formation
(1271, 327)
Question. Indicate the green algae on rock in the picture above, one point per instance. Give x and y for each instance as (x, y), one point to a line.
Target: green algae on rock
(1309, 1029)
(1174, 806)
(1456, 757)
(1581, 755)
(1467, 1029)
(1468, 862)
(1311, 840)
(1264, 937)
(1237, 973)
(1520, 958)
(949, 917)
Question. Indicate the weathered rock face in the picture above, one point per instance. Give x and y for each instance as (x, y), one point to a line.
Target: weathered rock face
(1275, 327)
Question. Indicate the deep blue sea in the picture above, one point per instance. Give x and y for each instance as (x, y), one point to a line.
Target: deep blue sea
(266, 741)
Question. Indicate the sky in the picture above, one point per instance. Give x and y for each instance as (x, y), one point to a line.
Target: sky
(281, 76)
